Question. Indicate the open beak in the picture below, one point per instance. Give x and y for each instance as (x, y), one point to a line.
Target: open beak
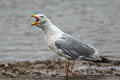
(36, 21)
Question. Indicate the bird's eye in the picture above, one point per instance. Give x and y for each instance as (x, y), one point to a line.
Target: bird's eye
(41, 16)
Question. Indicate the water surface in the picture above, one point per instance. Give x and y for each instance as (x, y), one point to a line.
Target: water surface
(96, 22)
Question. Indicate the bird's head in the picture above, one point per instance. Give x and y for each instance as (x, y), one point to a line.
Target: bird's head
(41, 19)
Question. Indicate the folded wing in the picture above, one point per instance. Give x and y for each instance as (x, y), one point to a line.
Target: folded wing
(73, 47)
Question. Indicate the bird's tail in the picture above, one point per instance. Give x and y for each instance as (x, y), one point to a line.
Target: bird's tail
(103, 60)
(94, 58)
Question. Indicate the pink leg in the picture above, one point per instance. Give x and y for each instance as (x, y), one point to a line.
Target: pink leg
(66, 69)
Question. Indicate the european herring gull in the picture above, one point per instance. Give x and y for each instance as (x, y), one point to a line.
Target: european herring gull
(64, 44)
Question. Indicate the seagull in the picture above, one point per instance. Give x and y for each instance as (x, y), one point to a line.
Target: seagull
(65, 45)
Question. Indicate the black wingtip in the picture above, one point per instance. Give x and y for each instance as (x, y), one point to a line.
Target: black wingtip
(103, 60)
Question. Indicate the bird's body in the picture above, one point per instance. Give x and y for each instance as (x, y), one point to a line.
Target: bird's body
(64, 44)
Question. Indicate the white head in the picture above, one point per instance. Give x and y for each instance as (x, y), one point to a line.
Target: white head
(45, 24)
(41, 20)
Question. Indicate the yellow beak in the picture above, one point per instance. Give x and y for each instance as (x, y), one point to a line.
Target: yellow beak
(37, 20)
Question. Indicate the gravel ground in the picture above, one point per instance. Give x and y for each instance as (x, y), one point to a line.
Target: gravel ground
(54, 68)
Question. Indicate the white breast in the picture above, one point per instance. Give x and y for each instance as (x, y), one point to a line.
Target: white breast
(50, 41)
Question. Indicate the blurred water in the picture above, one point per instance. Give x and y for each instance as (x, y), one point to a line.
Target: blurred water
(96, 22)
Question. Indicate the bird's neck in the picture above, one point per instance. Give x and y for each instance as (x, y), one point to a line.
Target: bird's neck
(50, 30)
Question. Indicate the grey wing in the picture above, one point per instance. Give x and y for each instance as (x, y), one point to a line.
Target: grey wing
(73, 47)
